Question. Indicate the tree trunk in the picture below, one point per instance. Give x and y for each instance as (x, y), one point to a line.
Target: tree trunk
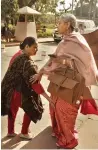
(90, 9)
(81, 7)
(21, 4)
(75, 12)
(32, 3)
(94, 9)
(72, 5)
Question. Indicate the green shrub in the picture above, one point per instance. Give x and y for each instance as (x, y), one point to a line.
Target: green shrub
(12, 28)
(48, 33)
(50, 26)
(41, 34)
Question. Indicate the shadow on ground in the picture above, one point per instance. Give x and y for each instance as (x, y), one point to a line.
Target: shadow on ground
(10, 143)
(41, 141)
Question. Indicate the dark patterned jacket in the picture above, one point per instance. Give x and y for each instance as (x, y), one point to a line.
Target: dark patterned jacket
(17, 78)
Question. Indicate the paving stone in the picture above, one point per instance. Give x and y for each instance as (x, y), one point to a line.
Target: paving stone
(88, 135)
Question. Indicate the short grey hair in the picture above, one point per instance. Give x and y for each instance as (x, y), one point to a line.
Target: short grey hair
(69, 18)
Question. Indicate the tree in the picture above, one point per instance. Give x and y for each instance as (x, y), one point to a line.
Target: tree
(63, 3)
(46, 6)
(23, 3)
(43, 6)
(8, 9)
(70, 8)
(94, 9)
(87, 8)
(80, 5)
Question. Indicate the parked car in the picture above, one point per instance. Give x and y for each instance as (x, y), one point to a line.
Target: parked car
(56, 36)
(84, 26)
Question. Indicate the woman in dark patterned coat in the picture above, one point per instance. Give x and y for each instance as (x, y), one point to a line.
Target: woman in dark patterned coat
(17, 91)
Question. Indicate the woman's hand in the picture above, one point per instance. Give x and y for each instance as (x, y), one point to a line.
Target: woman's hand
(52, 104)
(36, 77)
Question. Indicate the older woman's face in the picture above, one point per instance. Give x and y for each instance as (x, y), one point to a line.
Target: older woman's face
(63, 27)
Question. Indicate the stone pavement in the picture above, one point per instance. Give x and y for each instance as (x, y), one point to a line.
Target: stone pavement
(87, 126)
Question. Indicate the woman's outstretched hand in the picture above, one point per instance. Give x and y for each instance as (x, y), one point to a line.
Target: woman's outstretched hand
(52, 104)
(36, 77)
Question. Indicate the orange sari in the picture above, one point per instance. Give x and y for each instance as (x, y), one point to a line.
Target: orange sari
(63, 118)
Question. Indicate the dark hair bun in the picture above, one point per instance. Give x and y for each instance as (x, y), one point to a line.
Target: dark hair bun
(21, 46)
(27, 41)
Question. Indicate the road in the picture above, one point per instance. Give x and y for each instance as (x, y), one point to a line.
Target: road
(41, 131)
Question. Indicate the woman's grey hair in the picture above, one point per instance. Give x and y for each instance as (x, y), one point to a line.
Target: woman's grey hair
(70, 18)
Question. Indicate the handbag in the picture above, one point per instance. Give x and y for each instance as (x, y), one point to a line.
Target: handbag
(68, 84)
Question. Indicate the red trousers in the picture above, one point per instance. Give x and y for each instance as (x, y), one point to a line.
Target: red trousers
(15, 104)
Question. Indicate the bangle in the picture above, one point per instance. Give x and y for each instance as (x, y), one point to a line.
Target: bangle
(64, 62)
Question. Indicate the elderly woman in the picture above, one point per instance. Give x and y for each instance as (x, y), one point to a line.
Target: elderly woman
(73, 45)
